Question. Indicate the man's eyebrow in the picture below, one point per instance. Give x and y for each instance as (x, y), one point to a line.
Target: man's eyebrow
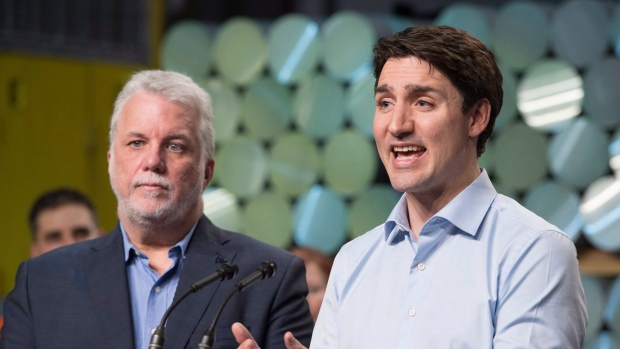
(410, 88)
(135, 134)
(80, 229)
(50, 234)
(382, 89)
(419, 88)
(181, 136)
(170, 136)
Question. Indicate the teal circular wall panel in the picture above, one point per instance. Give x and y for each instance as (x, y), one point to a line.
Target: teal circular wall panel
(521, 34)
(294, 164)
(558, 204)
(349, 162)
(578, 155)
(602, 92)
(371, 208)
(550, 95)
(520, 159)
(320, 220)
(319, 107)
(267, 217)
(222, 208)
(186, 48)
(240, 51)
(243, 166)
(226, 105)
(579, 31)
(294, 48)
(267, 109)
(348, 39)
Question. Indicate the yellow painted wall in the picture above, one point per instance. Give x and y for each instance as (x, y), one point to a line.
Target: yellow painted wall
(54, 116)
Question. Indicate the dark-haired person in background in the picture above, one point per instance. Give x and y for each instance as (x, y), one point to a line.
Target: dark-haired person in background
(456, 265)
(318, 266)
(57, 218)
(61, 217)
(111, 292)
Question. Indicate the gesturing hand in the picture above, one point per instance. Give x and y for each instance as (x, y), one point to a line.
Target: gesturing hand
(246, 341)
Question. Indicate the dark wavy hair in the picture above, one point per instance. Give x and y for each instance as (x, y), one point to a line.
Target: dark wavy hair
(464, 60)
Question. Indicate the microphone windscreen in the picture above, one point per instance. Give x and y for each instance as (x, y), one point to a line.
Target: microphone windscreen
(268, 269)
(229, 271)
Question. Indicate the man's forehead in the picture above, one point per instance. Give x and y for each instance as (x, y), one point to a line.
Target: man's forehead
(64, 213)
(400, 67)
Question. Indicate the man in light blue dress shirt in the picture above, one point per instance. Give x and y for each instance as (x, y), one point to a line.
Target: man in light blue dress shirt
(456, 265)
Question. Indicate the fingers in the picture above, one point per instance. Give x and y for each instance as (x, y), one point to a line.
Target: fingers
(246, 341)
(291, 342)
(243, 337)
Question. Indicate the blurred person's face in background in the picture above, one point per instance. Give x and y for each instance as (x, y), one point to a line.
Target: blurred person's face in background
(317, 282)
(61, 226)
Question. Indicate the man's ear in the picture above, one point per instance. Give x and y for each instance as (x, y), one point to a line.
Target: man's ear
(34, 250)
(109, 158)
(479, 117)
(209, 167)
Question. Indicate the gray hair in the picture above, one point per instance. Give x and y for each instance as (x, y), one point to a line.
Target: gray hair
(177, 88)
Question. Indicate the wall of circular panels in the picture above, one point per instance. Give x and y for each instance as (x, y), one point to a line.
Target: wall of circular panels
(293, 105)
(293, 102)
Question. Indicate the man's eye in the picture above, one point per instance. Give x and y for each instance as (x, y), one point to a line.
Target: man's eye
(136, 144)
(81, 233)
(384, 104)
(175, 147)
(52, 237)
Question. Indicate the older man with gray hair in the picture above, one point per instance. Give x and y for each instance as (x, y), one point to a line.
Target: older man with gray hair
(112, 292)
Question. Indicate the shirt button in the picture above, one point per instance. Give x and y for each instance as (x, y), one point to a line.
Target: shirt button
(412, 312)
(152, 331)
(421, 266)
(157, 289)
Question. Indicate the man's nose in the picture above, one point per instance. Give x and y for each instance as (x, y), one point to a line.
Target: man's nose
(154, 161)
(68, 240)
(401, 122)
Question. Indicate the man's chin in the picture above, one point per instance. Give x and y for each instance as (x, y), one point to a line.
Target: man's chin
(150, 213)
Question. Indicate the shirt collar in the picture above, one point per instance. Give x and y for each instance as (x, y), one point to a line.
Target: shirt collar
(466, 211)
(182, 245)
(398, 217)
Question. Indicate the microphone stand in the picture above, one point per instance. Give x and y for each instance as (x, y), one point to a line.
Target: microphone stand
(226, 272)
(265, 269)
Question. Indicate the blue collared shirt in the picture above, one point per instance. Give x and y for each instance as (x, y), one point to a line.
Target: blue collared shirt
(484, 273)
(151, 294)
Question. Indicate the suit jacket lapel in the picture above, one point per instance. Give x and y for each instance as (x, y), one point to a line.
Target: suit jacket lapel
(107, 282)
(204, 255)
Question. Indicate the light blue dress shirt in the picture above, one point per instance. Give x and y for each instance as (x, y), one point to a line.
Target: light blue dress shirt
(484, 273)
(151, 295)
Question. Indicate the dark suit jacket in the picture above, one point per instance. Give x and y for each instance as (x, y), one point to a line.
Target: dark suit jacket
(78, 296)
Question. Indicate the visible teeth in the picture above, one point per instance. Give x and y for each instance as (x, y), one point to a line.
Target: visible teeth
(409, 148)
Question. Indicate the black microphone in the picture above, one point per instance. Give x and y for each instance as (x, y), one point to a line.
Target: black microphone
(226, 272)
(264, 270)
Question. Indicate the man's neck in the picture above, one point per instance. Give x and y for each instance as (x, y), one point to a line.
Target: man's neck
(154, 240)
(423, 206)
